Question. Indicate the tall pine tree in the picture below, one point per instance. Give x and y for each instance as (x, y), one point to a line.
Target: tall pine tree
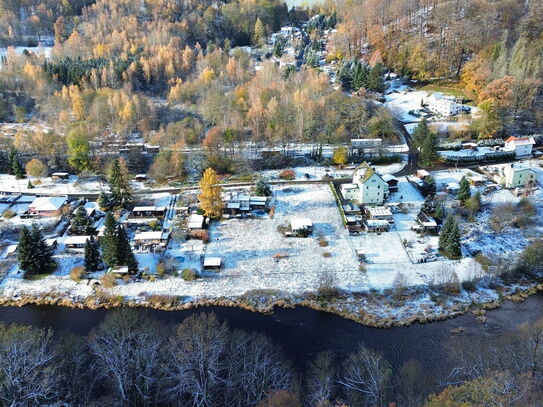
(25, 250)
(454, 248)
(108, 241)
(125, 256)
(449, 239)
(35, 255)
(92, 255)
(121, 193)
(445, 234)
(425, 141)
(15, 167)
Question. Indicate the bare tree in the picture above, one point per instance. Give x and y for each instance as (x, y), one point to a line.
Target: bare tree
(254, 370)
(366, 376)
(413, 384)
(78, 375)
(195, 364)
(321, 380)
(29, 375)
(127, 347)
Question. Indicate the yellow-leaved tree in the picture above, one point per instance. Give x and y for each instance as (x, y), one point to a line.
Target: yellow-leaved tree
(210, 194)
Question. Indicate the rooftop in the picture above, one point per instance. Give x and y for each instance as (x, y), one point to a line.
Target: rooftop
(379, 211)
(300, 223)
(212, 261)
(76, 240)
(148, 235)
(48, 203)
(149, 209)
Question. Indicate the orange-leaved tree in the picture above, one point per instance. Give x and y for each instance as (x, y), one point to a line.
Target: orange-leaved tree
(210, 194)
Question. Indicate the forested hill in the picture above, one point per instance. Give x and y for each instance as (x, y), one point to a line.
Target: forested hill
(493, 47)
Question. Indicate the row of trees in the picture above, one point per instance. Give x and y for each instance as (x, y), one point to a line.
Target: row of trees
(131, 360)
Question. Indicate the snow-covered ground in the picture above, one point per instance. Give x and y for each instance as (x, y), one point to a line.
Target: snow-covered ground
(401, 99)
(319, 172)
(249, 249)
(40, 50)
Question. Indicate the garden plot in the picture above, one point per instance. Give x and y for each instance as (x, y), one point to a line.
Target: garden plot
(256, 254)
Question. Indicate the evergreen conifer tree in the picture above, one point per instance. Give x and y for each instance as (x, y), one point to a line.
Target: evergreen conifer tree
(92, 255)
(15, 166)
(121, 193)
(375, 79)
(464, 191)
(35, 255)
(125, 256)
(425, 141)
(439, 212)
(454, 248)
(445, 234)
(25, 250)
(108, 241)
(104, 201)
(428, 206)
(45, 262)
(82, 224)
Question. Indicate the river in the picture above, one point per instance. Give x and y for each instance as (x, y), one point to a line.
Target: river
(302, 332)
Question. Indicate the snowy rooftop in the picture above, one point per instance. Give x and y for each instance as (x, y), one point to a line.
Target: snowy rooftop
(196, 221)
(376, 223)
(212, 261)
(148, 235)
(76, 240)
(149, 209)
(301, 223)
(379, 211)
(48, 203)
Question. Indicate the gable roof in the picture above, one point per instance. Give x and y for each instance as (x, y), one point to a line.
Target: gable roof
(48, 203)
(520, 140)
(368, 172)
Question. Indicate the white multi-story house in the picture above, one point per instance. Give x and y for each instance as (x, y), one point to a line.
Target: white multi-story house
(367, 188)
(444, 105)
(518, 176)
(522, 146)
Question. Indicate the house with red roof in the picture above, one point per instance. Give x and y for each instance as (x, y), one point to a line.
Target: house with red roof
(522, 146)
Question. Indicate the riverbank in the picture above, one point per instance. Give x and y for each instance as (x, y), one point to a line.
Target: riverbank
(373, 309)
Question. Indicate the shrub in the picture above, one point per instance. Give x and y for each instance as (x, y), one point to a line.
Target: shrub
(109, 280)
(189, 274)
(279, 256)
(200, 235)
(469, 285)
(327, 285)
(77, 273)
(287, 175)
(160, 269)
(9, 213)
(262, 188)
(157, 300)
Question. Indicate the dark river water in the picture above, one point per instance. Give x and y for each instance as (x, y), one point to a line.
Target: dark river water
(302, 332)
